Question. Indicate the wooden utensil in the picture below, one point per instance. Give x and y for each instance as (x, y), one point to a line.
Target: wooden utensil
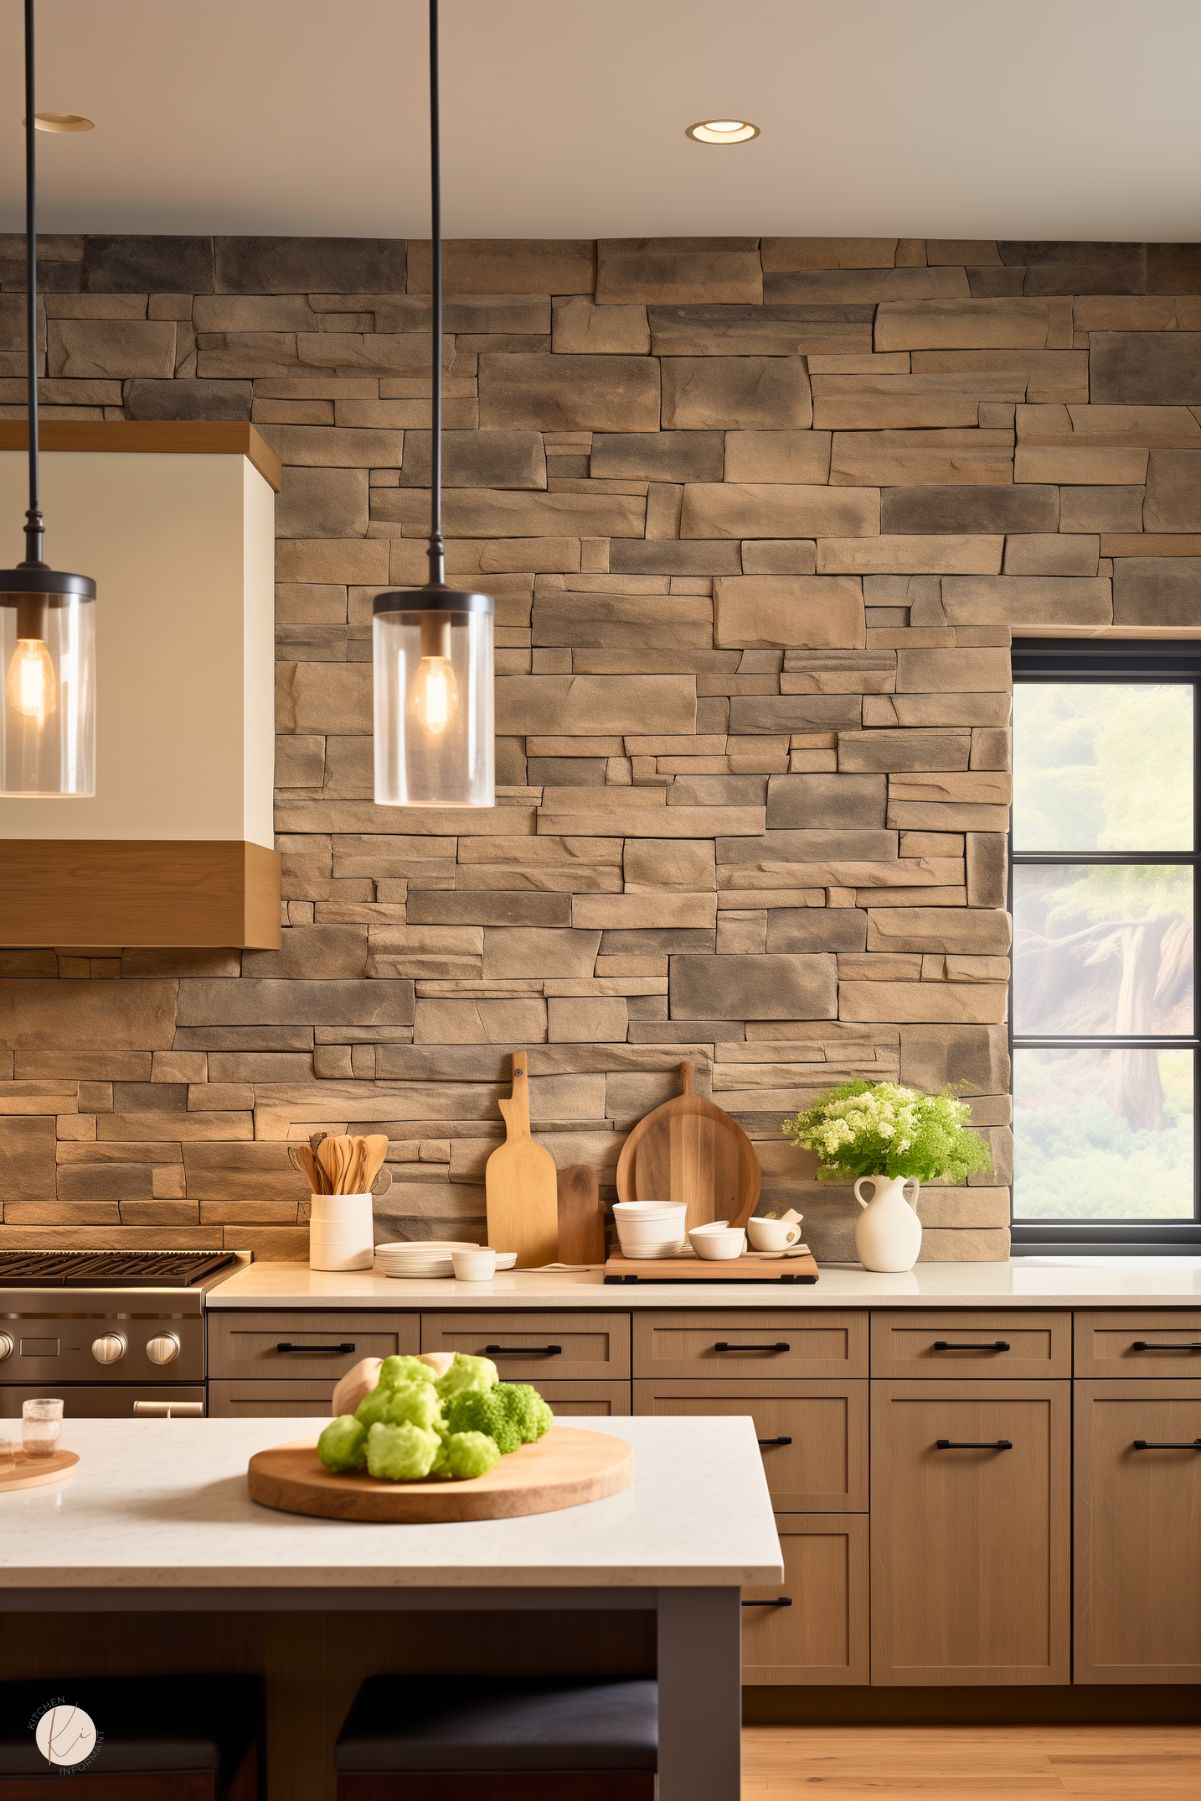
(329, 1156)
(375, 1150)
(581, 1221)
(566, 1468)
(690, 1150)
(519, 1183)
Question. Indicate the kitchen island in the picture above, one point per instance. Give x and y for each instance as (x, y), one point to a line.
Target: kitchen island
(157, 1522)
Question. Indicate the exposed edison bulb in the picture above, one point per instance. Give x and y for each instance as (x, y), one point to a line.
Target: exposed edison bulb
(31, 684)
(435, 694)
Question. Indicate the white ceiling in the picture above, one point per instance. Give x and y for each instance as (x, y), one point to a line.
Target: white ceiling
(562, 118)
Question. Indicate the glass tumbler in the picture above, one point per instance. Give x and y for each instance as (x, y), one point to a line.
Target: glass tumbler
(41, 1425)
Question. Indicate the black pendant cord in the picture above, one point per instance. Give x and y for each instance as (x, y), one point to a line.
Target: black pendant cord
(437, 548)
(34, 527)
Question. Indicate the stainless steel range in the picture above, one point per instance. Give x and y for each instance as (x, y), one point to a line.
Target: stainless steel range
(113, 1333)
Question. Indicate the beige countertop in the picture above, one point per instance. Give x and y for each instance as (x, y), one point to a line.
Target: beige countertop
(1024, 1282)
(162, 1504)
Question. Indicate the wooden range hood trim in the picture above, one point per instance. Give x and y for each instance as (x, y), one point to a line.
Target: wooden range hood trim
(151, 436)
(146, 892)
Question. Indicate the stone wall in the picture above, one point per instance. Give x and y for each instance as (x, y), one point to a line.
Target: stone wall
(759, 518)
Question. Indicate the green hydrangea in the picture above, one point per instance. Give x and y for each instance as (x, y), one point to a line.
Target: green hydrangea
(403, 1369)
(404, 1403)
(401, 1453)
(883, 1129)
(467, 1375)
(343, 1444)
(466, 1454)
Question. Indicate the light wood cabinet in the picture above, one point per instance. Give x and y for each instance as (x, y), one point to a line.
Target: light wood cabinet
(750, 1344)
(1142, 1346)
(813, 1435)
(813, 1627)
(289, 1345)
(537, 1347)
(971, 1344)
(1138, 1531)
(311, 1400)
(970, 1532)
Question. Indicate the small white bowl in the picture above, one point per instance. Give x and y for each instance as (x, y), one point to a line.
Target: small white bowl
(650, 1228)
(773, 1234)
(474, 1266)
(717, 1243)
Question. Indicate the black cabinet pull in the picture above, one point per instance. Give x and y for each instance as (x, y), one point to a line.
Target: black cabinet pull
(523, 1350)
(945, 1344)
(1167, 1444)
(315, 1350)
(776, 1601)
(973, 1444)
(721, 1345)
(1140, 1344)
(782, 1440)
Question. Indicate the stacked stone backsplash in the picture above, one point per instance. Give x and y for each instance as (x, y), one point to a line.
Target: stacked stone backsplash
(759, 517)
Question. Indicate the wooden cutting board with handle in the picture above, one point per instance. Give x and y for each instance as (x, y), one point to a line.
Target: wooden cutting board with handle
(520, 1183)
(581, 1222)
(690, 1150)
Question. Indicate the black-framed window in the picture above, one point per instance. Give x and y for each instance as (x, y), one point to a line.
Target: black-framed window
(1104, 1024)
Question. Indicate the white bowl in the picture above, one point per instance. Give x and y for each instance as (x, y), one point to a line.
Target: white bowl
(648, 1210)
(717, 1243)
(474, 1266)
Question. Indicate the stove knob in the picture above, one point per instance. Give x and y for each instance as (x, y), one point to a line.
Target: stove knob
(109, 1347)
(164, 1349)
(7, 1346)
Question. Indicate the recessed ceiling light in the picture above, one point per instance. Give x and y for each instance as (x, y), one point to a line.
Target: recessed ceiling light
(63, 122)
(722, 131)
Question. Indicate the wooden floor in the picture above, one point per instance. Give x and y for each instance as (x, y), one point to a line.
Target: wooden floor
(971, 1763)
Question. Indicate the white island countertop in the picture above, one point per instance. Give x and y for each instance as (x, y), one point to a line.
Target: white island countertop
(1024, 1282)
(162, 1505)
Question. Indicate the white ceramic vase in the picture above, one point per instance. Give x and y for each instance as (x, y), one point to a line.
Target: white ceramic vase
(888, 1233)
(340, 1232)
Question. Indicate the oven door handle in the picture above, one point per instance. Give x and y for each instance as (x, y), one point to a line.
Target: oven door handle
(168, 1410)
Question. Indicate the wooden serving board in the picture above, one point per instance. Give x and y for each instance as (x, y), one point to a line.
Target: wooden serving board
(690, 1150)
(581, 1221)
(566, 1468)
(33, 1472)
(520, 1187)
(701, 1269)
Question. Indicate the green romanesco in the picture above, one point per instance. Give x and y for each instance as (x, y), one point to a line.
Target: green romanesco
(343, 1444)
(401, 1453)
(467, 1375)
(400, 1404)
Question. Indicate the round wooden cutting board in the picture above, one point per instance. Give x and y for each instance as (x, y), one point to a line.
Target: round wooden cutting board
(24, 1471)
(566, 1468)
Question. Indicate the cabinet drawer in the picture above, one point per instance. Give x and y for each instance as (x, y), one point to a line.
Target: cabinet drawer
(292, 1345)
(1138, 1532)
(537, 1347)
(1156, 1343)
(821, 1635)
(813, 1435)
(269, 1400)
(569, 1399)
(970, 1532)
(749, 1345)
(971, 1345)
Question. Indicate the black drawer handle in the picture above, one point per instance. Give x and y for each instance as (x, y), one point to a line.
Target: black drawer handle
(973, 1444)
(945, 1344)
(1167, 1444)
(1140, 1344)
(523, 1350)
(776, 1601)
(721, 1345)
(315, 1350)
(783, 1439)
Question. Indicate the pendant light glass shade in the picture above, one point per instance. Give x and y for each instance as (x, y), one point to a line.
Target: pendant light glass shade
(432, 649)
(47, 618)
(48, 697)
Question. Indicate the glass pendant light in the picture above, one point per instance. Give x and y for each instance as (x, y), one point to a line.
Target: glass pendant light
(47, 619)
(432, 646)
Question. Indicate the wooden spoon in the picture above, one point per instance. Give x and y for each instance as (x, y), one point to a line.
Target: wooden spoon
(329, 1156)
(375, 1150)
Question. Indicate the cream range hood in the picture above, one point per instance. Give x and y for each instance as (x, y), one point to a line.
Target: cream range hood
(177, 524)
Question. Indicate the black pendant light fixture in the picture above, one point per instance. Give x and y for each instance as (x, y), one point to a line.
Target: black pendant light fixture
(47, 619)
(432, 646)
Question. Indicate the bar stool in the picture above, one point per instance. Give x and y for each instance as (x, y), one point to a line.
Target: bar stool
(492, 1738)
(145, 1738)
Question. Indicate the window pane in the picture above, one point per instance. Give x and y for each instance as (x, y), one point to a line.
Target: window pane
(1103, 1134)
(1103, 766)
(1102, 950)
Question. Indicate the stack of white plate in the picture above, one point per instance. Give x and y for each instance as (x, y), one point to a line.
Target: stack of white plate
(421, 1259)
(650, 1228)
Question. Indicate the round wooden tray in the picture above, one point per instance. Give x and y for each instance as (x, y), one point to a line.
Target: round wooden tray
(33, 1472)
(566, 1468)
